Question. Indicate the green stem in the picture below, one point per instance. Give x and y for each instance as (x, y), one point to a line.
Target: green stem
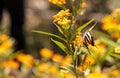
(75, 67)
(75, 62)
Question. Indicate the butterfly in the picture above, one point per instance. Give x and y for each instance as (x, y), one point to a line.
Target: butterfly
(88, 37)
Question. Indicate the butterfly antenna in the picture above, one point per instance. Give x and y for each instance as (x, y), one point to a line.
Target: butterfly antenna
(92, 26)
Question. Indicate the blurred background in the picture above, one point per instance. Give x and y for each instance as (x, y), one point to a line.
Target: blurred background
(38, 16)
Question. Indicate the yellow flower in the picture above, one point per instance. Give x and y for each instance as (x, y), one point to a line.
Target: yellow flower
(43, 67)
(62, 18)
(5, 43)
(78, 40)
(89, 60)
(67, 60)
(58, 2)
(11, 64)
(60, 15)
(117, 49)
(57, 57)
(53, 70)
(99, 49)
(68, 75)
(47, 53)
(3, 37)
(96, 75)
(115, 72)
(111, 23)
(84, 5)
(116, 34)
(25, 59)
(64, 23)
(82, 67)
(116, 14)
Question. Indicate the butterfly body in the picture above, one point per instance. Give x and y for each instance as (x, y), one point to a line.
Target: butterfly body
(88, 38)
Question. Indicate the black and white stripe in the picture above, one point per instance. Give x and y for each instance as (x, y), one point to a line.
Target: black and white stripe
(88, 38)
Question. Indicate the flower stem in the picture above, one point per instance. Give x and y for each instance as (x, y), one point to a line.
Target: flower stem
(75, 63)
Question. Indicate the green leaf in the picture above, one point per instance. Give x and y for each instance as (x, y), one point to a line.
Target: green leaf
(107, 53)
(61, 45)
(75, 53)
(60, 30)
(109, 42)
(80, 28)
(69, 69)
(84, 25)
(13, 55)
(98, 33)
(50, 34)
(116, 55)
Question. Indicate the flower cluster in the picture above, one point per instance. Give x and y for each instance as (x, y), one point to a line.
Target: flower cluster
(97, 75)
(78, 40)
(111, 23)
(62, 18)
(11, 64)
(6, 43)
(48, 54)
(99, 49)
(25, 59)
(117, 49)
(58, 2)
